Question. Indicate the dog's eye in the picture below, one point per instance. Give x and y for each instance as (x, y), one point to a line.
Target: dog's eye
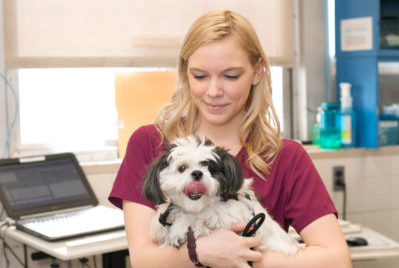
(182, 168)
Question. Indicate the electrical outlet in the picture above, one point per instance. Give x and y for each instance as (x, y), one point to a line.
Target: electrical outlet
(338, 178)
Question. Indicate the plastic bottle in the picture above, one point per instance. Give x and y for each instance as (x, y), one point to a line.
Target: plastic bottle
(316, 128)
(347, 117)
(330, 136)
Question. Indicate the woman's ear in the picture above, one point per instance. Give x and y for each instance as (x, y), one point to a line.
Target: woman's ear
(259, 70)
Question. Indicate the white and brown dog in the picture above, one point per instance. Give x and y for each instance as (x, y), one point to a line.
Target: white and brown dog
(199, 185)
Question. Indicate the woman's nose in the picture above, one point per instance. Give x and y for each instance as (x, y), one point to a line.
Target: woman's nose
(214, 88)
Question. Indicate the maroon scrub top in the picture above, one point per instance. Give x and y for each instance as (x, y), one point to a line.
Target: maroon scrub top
(293, 193)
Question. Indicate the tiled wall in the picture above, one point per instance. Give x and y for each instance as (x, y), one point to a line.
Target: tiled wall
(372, 182)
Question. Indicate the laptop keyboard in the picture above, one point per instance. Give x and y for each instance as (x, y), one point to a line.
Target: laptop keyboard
(89, 220)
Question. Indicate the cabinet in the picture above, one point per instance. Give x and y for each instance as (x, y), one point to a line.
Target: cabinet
(360, 67)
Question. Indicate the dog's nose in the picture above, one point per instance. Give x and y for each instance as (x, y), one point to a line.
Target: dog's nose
(196, 174)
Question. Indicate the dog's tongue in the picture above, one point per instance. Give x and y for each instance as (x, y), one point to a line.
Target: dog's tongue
(195, 190)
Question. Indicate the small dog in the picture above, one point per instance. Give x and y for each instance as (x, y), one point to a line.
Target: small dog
(199, 185)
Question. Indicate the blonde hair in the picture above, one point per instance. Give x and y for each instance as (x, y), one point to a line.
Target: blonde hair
(260, 131)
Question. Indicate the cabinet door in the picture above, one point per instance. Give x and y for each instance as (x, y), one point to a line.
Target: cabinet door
(360, 67)
(362, 73)
(352, 9)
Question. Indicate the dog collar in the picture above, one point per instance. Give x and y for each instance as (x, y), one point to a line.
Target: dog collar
(164, 216)
(191, 246)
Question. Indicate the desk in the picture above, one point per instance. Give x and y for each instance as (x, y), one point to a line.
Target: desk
(73, 248)
(379, 246)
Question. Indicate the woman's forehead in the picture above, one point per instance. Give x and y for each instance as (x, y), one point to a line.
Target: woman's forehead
(222, 54)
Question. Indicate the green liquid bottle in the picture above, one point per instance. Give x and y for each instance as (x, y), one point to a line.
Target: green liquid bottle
(330, 135)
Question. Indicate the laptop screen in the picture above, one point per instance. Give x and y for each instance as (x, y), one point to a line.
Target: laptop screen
(43, 184)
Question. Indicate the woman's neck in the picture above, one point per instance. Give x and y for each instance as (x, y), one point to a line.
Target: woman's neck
(226, 136)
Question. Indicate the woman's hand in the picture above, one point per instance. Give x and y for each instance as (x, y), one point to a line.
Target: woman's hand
(225, 248)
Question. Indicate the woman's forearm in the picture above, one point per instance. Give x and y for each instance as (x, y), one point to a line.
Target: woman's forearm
(160, 257)
(312, 256)
(144, 252)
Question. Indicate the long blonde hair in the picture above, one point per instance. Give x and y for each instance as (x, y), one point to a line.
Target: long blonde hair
(260, 131)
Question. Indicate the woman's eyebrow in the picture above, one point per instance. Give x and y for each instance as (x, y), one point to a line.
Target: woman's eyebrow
(234, 69)
(193, 69)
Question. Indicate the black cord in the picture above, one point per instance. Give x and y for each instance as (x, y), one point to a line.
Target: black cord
(6, 246)
(1, 213)
(344, 202)
(7, 261)
(84, 262)
(5, 255)
(340, 182)
(94, 261)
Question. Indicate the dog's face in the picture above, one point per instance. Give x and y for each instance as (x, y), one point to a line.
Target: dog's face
(191, 173)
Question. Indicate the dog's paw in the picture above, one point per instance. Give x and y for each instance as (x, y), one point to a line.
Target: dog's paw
(178, 243)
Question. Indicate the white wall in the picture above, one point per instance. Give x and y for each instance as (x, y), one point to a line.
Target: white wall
(310, 66)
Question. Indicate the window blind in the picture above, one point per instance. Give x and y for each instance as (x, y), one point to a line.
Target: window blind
(127, 33)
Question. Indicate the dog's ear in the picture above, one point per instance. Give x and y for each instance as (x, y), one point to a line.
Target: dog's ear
(151, 186)
(232, 178)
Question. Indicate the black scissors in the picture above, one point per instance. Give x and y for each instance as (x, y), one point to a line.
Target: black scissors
(252, 226)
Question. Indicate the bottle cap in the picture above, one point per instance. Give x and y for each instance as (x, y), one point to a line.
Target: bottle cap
(346, 99)
(327, 105)
(345, 89)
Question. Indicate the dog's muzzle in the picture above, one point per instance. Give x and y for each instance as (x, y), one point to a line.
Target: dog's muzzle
(195, 190)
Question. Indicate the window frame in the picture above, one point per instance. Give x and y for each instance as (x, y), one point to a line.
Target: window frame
(16, 150)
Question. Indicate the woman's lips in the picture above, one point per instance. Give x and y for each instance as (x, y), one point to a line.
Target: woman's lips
(214, 106)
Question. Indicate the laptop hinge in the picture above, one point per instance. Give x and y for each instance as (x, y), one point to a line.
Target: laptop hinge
(56, 212)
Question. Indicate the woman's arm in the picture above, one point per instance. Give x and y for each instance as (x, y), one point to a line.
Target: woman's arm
(223, 248)
(325, 248)
(143, 252)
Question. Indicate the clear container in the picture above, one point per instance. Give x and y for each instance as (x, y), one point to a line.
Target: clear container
(330, 134)
(388, 130)
(347, 119)
(316, 129)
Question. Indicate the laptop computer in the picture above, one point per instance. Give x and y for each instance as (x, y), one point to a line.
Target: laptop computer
(49, 196)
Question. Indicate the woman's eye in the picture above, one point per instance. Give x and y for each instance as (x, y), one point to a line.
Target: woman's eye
(182, 168)
(199, 77)
(232, 76)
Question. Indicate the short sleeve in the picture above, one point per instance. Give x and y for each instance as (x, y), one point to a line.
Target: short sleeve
(143, 147)
(307, 198)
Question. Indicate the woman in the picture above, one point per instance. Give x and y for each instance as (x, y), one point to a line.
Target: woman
(224, 93)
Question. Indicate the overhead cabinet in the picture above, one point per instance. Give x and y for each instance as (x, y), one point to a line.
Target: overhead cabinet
(367, 37)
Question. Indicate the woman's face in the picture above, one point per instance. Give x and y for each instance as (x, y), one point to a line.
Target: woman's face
(220, 76)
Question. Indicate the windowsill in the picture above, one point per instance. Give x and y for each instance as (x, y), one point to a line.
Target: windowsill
(317, 153)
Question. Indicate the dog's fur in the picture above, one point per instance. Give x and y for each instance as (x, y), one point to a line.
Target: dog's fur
(228, 198)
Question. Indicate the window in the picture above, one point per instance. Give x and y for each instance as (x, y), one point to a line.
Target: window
(68, 110)
(73, 109)
(276, 74)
